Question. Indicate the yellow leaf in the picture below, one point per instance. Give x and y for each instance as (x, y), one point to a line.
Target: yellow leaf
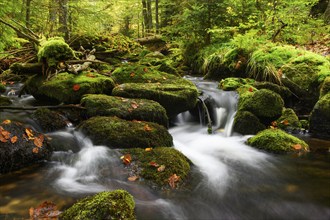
(126, 159)
(37, 142)
(35, 150)
(13, 139)
(147, 128)
(161, 168)
(148, 149)
(6, 122)
(133, 178)
(29, 133)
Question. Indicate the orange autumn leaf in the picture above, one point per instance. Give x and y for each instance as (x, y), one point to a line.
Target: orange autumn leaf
(37, 142)
(172, 180)
(2, 139)
(29, 133)
(154, 164)
(134, 105)
(45, 210)
(6, 122)
(161, 168)
(274, 124)
(13, 139)
(41, 137)
(76, 87)
(145, 69)
(133, 178)
(297, 146)
(285, 122)
(132, 74)
(35, 150)
(5, 134)
(127, 158)
(147, 128)
(148, 149)
(250, 89)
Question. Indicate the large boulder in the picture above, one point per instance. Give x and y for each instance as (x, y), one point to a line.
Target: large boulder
(21, 146)
(118, 133)
(118, 204)
(288, 121)
(129, 109)
(320, 117)
(277, 141)
(247, 123)
(68, 88)
(265, 104)
(158, 165)
(49, 120)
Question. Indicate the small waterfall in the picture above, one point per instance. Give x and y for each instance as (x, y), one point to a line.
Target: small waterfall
(215, 107)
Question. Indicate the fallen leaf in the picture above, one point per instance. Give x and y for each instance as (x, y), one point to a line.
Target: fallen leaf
(90, 75)
(133, 178)
(161, 168)
(297, 146)
(6, 122)
(274, 124)
(172, 180)
(148, 149)
(29, 133)
(147, 128)
(4, 83)
(250, 89)
(13, 139)
(35, 150)
(41, 137)
(164, 78)
(76, 87)
(132, 74)
(44, 210)
(285, 122)
(145, 69)
(2, 139)
(154, 164)
(5, 134)
(37, 142)
(127, 158)
(134, 105)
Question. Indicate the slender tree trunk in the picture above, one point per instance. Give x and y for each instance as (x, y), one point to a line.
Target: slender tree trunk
(157, 15)
(149, 13)
(327, 13)
(145, 17)
(28, 13)
(52, 15)
(63, 18)
(209, 23)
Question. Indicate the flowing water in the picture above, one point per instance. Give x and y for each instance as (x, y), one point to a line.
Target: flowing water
(229, 179)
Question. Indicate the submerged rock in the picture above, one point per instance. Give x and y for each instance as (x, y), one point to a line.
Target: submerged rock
(118, 133)
(21, 146)
(158, 165)
(277, 141)
(125, 108)
(320, 117)
(118, 204)
(69, 88)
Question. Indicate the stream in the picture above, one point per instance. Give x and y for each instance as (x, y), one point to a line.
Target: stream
(229, 180)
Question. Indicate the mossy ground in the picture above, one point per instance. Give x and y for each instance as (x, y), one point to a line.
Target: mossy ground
(115, 205)
(173, 160)
(325, 88)
(4, 101)
(277, 141)
(232, 83)
(125, 108)
(118, 133)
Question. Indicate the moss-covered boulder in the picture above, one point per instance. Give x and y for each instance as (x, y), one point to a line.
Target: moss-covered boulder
(21, 146)
(158, 165)
(277, 141)
(69, 88)
(325, 88)
(283, 91)
(288, 121)
(175, 97)
(320, 117)
(2, 88)
(4, 101)
(247, 123)
(125, 108)
(118, 133)
(49, 120)
(232, 83)
(118, 204)
(54, 50)
(265, 104)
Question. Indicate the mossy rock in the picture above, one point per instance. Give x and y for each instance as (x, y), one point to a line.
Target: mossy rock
(49, 120)
(2, 88)
(118, 133)
(148, 163)
(265, 104)
(17, 151)
(118, 204)
(175, 98)
(54, 50)
(283, 91)
(277, 141)
(320, 117)
(247, 123)
(125, 108)
(4, 101)
(69, 88)
(325, 88)
(288, 121)
(232, 83)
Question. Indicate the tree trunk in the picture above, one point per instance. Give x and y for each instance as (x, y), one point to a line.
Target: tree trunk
(63, 18)
(149, 13)
(52, 15)
(28, 13)
(145, 16)
(327, 13)
(157, 15)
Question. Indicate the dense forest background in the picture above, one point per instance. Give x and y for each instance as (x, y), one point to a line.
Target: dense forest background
(183, 21)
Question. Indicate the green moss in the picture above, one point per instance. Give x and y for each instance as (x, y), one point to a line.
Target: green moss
(54, 50)
(244, 120)
(118, 204)
(265, 104)
(61, 87)
(232, 83)
(176, 97)
(49, 120)
(2, 88)
(118, 133)
(288, 120)
(320, 117)
(129, 109)
(4, 101)
(283, 91)
(304, 124)
(173, 160)
(277, 141)
(325, 88)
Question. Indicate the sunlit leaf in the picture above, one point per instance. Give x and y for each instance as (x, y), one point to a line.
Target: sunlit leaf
(148, 149)
(172, 180)
(37, 142)
(76, 87)
(161, 168)
(13, 139)
(127, 158)
(29, 133)
(6, 122)
(133, 178)
(297, 146)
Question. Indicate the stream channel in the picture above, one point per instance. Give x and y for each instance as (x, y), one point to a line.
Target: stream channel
(229, 179)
